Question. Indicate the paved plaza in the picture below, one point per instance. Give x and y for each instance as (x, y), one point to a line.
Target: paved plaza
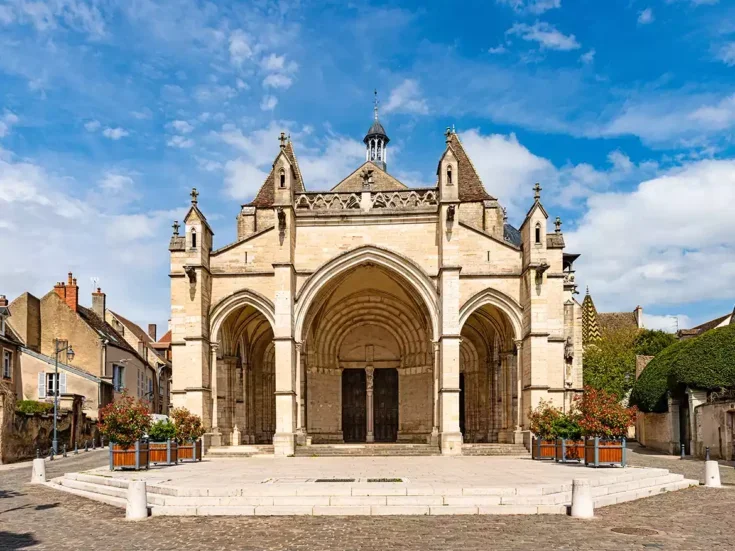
(39, 517)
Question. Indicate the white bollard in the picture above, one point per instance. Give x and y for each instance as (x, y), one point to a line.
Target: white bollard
(38, 476)
(137, 505)
(712, 474)
(582, 504)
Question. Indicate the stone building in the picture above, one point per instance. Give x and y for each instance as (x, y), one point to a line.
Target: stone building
(373, 312)
(9, 349)
(104, 364)
(595, 324)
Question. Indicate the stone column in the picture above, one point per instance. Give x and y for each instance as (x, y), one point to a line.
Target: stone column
(519, 391)
(369, 372)
(216, 436)
(435, 425)
(285, 358)
(299, 404)
(451, 437)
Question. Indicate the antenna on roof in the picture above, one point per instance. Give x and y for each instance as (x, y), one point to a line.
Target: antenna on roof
(95, 282)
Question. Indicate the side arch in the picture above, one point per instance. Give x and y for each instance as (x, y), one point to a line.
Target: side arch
(413, 274)
(501, 301)
(245, 297)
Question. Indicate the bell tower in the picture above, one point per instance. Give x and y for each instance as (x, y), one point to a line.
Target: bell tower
(376, 140)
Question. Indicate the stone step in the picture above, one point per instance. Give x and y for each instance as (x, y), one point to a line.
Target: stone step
(110, 491)
(94, 495)
(240, 451)
(622, 497)
(494, 449)
(363, 450)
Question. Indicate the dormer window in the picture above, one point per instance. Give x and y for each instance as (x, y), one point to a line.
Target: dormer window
(449, 175)
(282, 182)
(193, 239)
(538, 234)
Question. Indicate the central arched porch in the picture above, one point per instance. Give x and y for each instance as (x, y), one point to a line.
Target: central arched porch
(367, 361)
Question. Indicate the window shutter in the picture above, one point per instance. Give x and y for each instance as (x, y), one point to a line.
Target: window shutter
(62, 383)
(41, 385)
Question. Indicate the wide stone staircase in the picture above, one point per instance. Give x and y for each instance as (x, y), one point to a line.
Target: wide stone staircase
(517, 450)
(252, 450)
(369, 496)
(366, 450)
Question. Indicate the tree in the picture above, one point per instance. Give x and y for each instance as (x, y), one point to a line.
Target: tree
(609, 362)
(650, 342)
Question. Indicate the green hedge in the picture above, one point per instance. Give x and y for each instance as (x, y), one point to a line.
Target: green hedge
(706, 362)
(31, 406)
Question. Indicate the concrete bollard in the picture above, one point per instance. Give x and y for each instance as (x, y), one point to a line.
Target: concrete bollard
(137, 504)
(38, 475)
(582, 504)
(712, 474)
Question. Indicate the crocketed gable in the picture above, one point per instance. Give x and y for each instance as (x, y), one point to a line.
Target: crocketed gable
(265, 196)
(470, 185)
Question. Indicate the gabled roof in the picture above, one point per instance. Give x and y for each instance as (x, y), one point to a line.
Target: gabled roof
(612, 321)
(712, 324)
(382, 181)
(470, 186)
(265, 196)
(11, 337)
(195, 209)
(106, 331)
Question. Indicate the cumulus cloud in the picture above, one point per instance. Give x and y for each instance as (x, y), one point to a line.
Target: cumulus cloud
(546, 35)
(670, 323)
(268, 103)
(92, 126)
(7, 120)
(181, 142)
(240, 49)
(79, 16)
(115, 133)
(277, 81)
(407, 98)
(726, 54)
(182, 127)
(588, 58)
(535, 7)
(645, 16)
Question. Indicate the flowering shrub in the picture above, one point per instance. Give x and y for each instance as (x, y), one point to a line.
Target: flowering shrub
(567, 426)
(188, 425)
(542, 420)
(124, 421)
(601, 414)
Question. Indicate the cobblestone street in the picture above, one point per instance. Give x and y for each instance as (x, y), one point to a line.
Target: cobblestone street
(42, 518)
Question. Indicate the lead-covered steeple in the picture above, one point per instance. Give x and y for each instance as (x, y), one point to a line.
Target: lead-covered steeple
(376, 140)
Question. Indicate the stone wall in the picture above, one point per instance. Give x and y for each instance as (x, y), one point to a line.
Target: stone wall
(657, 431)
(715, 424)
(22, 434)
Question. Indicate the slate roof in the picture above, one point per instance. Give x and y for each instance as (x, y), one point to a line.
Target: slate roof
(376, 129)
(138, 331)
(512, 235)
(106, 330)
(11, 337)
(470, 185)
(704, 327)
(265, 196)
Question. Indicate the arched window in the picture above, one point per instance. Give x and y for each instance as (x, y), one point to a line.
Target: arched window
(449, 175)
(193, 239)
(283, 178)
(538, 234)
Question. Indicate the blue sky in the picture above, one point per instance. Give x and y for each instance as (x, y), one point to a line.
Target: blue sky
(111, 111)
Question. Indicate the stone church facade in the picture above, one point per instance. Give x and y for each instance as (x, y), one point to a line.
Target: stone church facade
(373, 312)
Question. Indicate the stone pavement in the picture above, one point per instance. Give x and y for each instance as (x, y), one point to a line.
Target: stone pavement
(42, 518)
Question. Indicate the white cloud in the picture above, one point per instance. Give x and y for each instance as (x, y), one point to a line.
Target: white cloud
(7, 120)
(645, 16)
(181, 142)
(588, 58)
(547, 36)
(243, 178)
(499, 49)
(671, 240)
(92, 126)
(50, 15)
(407, 98)
(277, 81)
(116, 182)
(726, 54)
(536, 7)
(182, 127)
(240, 49)
(668, 323)
(115, 133)
(215, 93)
(268, 103)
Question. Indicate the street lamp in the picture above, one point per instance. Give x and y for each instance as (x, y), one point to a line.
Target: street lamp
(59, 347)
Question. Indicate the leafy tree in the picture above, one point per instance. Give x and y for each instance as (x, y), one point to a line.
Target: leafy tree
(600, 413)
(650, 342)
(188, 425)
(609, 362)
(162, 430)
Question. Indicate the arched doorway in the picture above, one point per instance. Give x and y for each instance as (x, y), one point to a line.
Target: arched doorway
(367, 359)
(243, 380)
(489, 359)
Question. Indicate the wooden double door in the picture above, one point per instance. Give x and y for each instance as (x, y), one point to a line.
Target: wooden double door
(385, 405)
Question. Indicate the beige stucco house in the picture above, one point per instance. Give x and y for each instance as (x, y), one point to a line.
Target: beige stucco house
(373, 312)
(104, 364)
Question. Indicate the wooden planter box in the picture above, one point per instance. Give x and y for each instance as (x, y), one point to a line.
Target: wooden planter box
(190, 451)
(542, 449)
(164, 453)
(601, 452)
(569, 450)
(135, 457)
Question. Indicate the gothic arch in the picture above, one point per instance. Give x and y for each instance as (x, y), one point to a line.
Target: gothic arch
(499, 300)
(369, 254)
(220, 311)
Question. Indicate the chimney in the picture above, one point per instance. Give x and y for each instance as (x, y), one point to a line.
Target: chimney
(4, 302)
(152, 331)
(99, 303)
(639, 316)
(72, 293)
(60, 290)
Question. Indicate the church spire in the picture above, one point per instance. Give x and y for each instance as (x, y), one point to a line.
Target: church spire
(376, 140)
